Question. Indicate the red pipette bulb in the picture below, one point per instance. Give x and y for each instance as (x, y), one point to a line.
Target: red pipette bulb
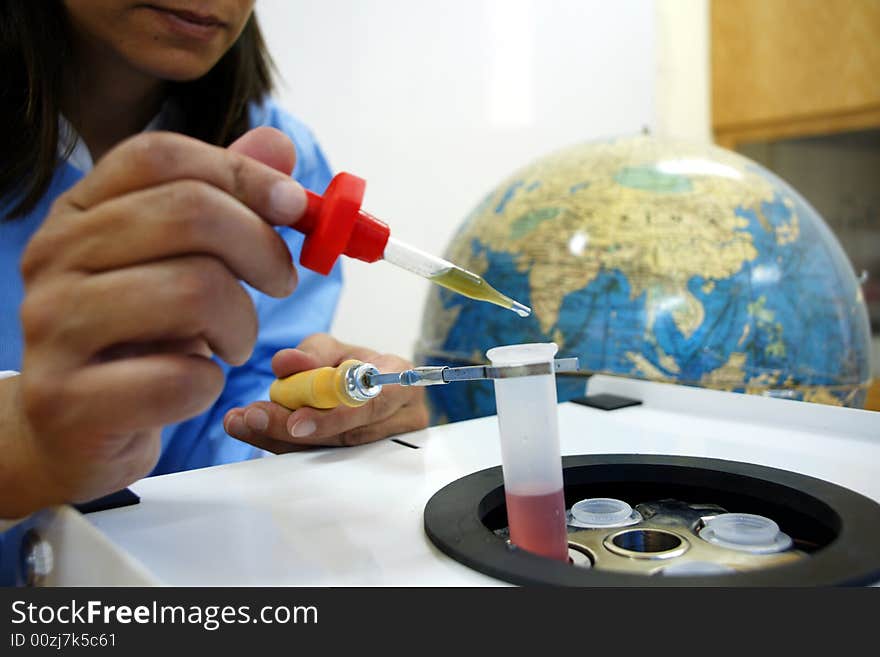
(334, 224)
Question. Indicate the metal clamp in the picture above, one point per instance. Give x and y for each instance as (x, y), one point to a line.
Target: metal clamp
(533, 369)
(429, 376)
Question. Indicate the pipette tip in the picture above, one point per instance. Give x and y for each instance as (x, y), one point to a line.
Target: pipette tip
(520, 309)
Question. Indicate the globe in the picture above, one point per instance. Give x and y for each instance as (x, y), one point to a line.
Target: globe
(655, 259)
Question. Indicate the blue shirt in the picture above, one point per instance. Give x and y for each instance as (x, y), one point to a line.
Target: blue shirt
(199, 441)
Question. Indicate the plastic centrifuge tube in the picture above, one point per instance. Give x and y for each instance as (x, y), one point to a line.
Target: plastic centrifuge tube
(531, 460)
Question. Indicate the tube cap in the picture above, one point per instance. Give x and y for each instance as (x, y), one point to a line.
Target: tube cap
(692, 568)
(745, 531)
(335, 224)
(603, 512)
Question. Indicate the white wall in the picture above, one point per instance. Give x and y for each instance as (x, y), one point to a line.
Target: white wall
(435, 102)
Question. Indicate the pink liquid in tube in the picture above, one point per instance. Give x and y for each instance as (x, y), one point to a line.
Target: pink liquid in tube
(537, 524)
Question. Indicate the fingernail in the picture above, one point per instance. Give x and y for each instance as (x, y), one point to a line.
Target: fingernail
(256, 419)
(287, 201)
(235, 426)
(302, 429)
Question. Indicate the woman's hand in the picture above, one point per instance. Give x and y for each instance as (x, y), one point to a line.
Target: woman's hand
(267, 425)
(131, 286)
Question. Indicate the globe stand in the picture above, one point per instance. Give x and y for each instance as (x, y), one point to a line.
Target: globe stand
(835, 531)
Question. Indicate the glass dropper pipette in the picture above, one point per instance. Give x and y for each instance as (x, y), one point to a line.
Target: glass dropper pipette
(334, 224)
(442, 272)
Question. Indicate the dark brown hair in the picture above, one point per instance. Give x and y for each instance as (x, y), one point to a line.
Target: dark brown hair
(34, 47)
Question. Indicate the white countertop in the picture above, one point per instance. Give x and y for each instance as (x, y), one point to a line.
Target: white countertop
(353, 516)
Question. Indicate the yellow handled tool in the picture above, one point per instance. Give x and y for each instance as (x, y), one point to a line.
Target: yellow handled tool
(326, 387)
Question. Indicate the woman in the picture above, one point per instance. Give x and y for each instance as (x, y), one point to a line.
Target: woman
(138, 190)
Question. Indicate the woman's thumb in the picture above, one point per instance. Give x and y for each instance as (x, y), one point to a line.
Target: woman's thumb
(269, 146)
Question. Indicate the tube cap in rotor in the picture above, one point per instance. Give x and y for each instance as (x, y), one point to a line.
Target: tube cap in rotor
(747, 532)
(603, 512)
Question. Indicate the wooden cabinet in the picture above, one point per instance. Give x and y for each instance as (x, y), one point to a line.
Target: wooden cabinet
(789, 70)
(793, 68)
